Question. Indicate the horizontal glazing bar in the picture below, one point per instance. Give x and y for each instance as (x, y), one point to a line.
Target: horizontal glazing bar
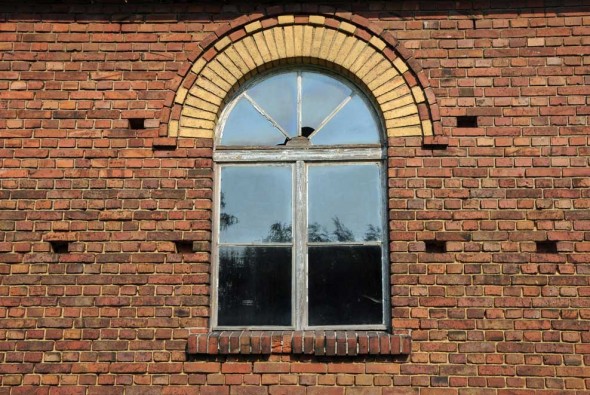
(258, 244)
(344, 243)
(294, 155)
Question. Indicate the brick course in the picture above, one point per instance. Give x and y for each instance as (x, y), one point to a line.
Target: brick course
(490, 314)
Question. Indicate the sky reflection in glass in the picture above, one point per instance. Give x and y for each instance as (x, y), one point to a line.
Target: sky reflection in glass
(337, 112)
(255, 198)
(344, 203)
(246, 126)
(277, 96)
(354, 124)
(320, 95)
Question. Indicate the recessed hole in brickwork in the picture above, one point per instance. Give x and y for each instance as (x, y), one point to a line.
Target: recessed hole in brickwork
(164, 144)
(435, 145)
(184, 246)
(60, 247)
(467, 121)
(435, 246)
(547, 247)
(136, 123)
(164, 147)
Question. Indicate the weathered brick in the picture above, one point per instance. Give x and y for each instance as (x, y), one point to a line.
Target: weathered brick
(114, 313)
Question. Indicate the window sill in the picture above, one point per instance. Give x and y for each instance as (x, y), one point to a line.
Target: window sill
(321, 343)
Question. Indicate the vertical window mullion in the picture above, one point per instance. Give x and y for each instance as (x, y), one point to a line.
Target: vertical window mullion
(299, 103)
(300, 244)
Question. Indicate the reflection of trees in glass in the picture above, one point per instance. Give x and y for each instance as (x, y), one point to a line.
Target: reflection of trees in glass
(233, 256)
(226, 220)
(341, 232)
(317, 233)
(279, 233)
(373, 233)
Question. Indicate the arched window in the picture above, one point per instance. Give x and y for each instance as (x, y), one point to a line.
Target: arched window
(299, 236)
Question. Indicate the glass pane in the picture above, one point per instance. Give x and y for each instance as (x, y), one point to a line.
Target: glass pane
(254, 286)
(246, 126)
(255, 204)
(345, 285)
(277, 96)
(344, 203)
(353, 124)
(320, 95)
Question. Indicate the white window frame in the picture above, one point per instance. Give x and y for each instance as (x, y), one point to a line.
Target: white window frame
(300, 158)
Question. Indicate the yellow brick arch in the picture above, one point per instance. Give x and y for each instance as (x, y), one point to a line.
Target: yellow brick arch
(234, 58)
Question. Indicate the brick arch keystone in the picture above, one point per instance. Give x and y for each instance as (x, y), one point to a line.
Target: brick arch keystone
(254, 43)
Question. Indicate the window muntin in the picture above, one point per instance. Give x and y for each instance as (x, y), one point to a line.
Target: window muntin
(310, 251)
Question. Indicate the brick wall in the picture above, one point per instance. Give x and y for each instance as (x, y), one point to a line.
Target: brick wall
(489, 224)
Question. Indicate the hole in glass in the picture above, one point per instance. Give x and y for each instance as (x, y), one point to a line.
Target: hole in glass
(306, 131)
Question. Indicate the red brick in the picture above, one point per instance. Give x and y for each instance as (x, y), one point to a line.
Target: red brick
(122, 308)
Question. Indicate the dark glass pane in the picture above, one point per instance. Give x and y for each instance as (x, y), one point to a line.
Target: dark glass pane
(277, 96)
(246, 126)
(255, 204)
(345, 285)
(355, 123)
(254, 286)
(345, 203)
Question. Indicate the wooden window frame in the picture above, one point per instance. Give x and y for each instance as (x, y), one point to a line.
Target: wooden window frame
(300, 158)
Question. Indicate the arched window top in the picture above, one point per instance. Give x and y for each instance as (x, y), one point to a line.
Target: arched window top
(304, 107)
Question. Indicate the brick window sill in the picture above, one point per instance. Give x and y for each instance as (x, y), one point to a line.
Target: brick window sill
(321, 343)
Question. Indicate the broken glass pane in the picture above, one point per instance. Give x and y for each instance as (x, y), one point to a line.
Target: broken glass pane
(256, 204)
(345, 285)
(344, 203)
(254, 286)
(355, 123)
(277, 96)
(246, 126)
(320, 95)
